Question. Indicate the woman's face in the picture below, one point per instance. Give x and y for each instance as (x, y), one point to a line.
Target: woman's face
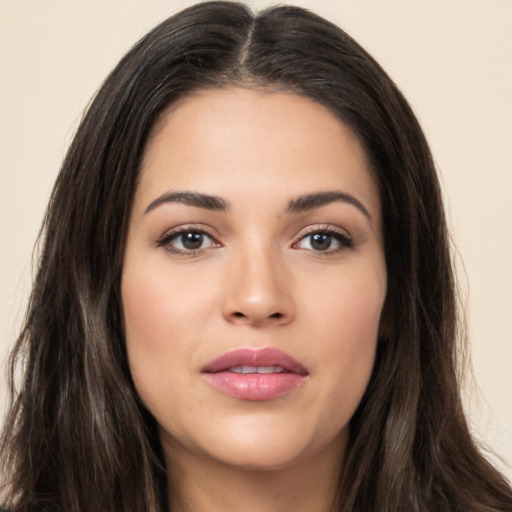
(254, 279)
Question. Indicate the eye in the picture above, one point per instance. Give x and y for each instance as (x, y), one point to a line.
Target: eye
(327, 241)
(187, 241)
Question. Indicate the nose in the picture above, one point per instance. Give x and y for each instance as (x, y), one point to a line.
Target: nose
(258, 291)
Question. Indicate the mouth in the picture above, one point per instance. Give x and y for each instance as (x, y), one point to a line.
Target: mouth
(245, 369)
(255, 374)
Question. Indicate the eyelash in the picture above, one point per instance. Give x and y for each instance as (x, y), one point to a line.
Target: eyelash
(344, 241)
(167, 239)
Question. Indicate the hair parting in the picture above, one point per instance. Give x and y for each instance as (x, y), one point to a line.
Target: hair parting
(78, 439)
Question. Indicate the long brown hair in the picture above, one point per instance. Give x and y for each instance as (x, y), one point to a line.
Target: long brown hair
(78, 439)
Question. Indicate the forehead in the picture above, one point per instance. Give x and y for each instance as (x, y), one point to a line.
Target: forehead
(221, 141)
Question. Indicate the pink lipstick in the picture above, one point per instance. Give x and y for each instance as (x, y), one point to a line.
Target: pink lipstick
(255, 374)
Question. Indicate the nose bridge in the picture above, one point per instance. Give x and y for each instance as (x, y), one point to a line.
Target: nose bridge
(257, 288)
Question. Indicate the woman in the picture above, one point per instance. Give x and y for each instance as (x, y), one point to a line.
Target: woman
(245, 296)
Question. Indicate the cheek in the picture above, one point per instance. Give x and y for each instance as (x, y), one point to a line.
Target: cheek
(158, 303)
(164, 316)
(151, 308)
(347, 317)
(347, 309)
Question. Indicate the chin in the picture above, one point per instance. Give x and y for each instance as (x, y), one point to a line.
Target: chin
(260, 445)
(256, 457)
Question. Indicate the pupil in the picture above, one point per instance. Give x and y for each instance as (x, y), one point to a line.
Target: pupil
(192, 240)
(321, 242)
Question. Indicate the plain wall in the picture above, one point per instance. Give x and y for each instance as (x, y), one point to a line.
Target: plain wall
(451, 58)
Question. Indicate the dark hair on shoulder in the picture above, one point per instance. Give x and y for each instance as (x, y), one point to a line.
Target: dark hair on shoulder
(78, 439)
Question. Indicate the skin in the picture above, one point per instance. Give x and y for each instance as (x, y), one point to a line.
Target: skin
(257, 280)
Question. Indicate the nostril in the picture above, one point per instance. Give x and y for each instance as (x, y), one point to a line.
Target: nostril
(239, 314)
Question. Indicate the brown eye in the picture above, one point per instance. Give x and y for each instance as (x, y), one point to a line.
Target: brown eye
(191, 241)
(324, 241)
(321, 241)
(186, 241)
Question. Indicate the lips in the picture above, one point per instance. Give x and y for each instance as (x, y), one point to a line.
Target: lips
(255, 374)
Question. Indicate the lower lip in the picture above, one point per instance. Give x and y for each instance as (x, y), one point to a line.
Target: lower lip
(254, 386)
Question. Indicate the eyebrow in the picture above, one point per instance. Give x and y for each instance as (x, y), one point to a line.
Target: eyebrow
(319, 199)
(301, 204)
(190, 198)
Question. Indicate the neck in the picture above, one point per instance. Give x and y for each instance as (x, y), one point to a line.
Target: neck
(198, 484)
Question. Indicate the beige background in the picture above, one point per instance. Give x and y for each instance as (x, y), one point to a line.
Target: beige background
(451, 58)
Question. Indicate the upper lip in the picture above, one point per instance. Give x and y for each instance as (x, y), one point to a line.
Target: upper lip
(254, 357)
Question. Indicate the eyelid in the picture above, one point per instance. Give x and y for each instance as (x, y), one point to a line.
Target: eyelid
(324, 228)
(165, 239)
(343, 237)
